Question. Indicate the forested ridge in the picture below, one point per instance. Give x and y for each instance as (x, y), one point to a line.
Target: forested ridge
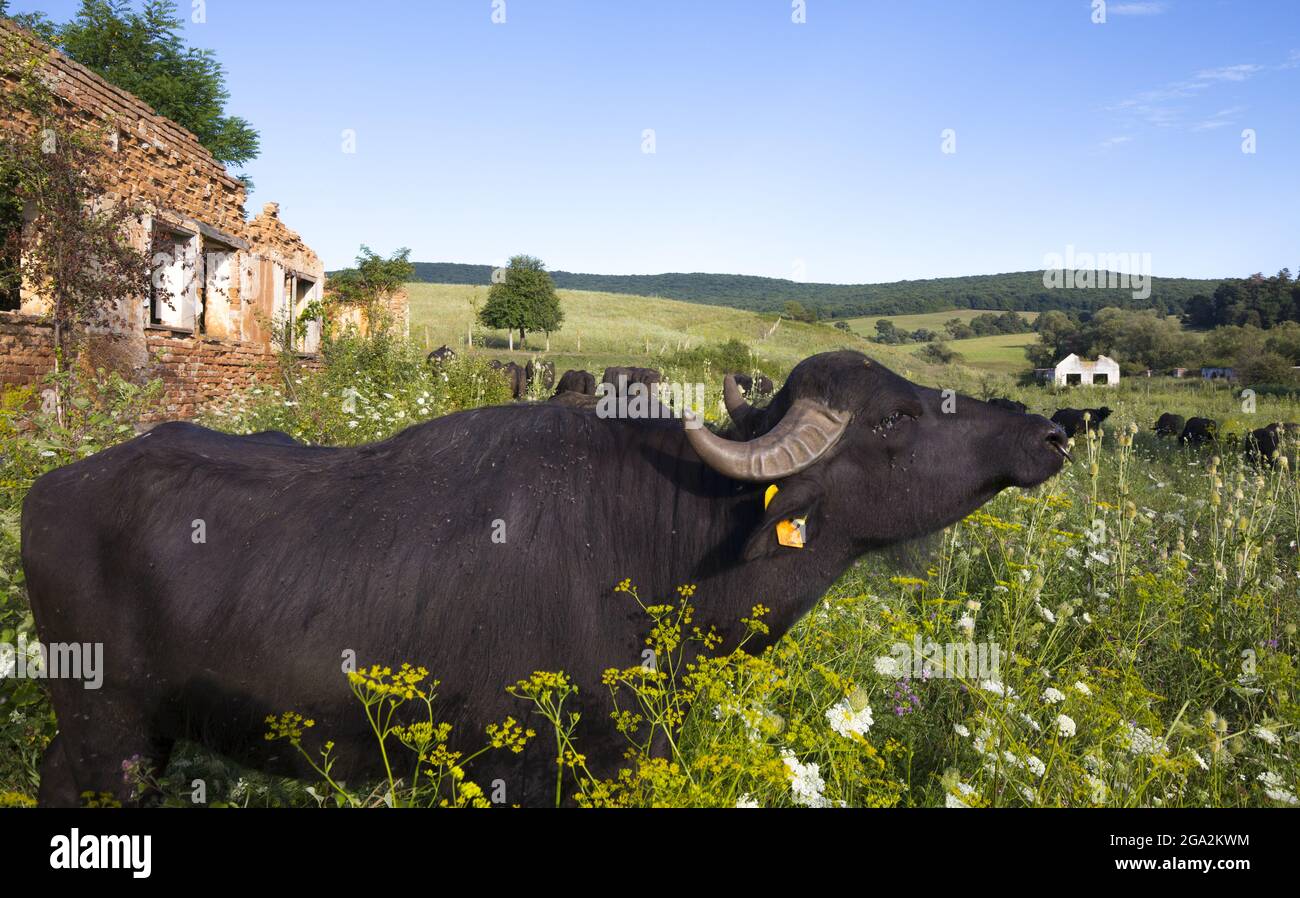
(1020, 291)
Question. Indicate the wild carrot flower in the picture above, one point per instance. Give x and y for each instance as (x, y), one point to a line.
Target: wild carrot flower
(848, 721)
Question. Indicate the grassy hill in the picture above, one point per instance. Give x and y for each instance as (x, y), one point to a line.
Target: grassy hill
(1002, 353)
(1021, 290)
(603, 329)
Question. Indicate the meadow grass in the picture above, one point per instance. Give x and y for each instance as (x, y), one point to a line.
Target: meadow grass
(866, 325)
(603, 329)
(1003, 353)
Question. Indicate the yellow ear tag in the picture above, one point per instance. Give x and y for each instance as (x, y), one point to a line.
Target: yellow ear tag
(792, 533)
(788, 533)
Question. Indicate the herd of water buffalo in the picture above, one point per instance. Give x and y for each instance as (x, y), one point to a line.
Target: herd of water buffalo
(1260, 444)
(575, 382)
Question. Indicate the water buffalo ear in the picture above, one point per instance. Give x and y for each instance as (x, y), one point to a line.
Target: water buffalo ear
(798, 498)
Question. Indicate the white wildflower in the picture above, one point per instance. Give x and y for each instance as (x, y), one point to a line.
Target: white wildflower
(955, 801)
(1065, 726)
(1275, 788)
(1265, 734)
(848, 722)
(806, 782)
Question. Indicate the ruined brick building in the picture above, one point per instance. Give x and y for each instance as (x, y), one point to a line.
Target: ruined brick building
(221, 283)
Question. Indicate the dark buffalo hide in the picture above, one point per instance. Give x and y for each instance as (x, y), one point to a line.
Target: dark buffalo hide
(441, 355)
(1198, 431)
(484, 545)
(542, 373)
(754, 386)
(517, 378)
(1010, 405)
(1169, 424)
(1075, 421)
(1264, 444)
(629, 376)
(575, 381)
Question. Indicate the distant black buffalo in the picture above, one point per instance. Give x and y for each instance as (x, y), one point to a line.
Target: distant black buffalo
(541, 373)
(441, 355)
(387, 553)
(1198, 431)
(759, 386)
(1169, 425)
(1075, 421)
(576, 381)
(1010, 405)
(1264, 444)
(629, 376)
(517, 377)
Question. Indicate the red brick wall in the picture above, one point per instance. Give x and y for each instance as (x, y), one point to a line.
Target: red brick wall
(197, 372)
(203, 372)
(26, 349)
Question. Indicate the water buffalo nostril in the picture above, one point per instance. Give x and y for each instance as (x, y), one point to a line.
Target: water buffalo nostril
(1057, 439)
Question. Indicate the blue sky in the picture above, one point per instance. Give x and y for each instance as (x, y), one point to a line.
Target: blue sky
(811, 150)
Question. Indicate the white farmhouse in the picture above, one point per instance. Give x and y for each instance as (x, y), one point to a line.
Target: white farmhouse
(1073, 371)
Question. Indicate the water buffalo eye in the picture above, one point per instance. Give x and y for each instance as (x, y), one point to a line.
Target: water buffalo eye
(888, 422)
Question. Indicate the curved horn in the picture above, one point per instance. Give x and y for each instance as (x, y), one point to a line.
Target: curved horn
(806, 432)
(734, 398)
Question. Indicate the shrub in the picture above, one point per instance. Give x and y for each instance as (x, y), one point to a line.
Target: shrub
(368, 389)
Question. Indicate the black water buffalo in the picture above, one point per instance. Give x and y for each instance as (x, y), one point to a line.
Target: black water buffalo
(1198, 431)
(390, 553)
(576, 381)
(630, 375)
(1075, 421)
(1263, 444)
(441, 355)
(542, 373)
(1169, 425)
(754, 386)
(517, 377)
(273, 437)
(1010, 405)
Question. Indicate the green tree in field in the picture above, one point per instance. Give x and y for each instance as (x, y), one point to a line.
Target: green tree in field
(888, 332)
(143, 52)
(523, 300)
(370, 284)
(939, 352)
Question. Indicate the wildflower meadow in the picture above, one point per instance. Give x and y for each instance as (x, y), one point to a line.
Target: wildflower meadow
(1123, 636)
